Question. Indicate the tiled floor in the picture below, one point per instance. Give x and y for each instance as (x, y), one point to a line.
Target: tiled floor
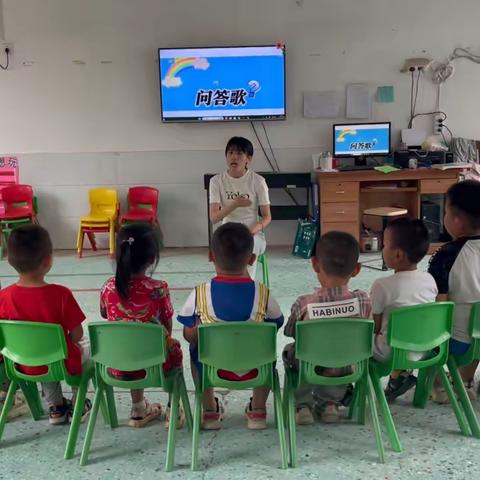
(433, 447)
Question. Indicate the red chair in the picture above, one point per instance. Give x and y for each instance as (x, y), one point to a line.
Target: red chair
(142, 205)
(19, 210)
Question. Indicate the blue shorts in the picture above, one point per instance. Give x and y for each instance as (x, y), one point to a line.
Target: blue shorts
(457, 347)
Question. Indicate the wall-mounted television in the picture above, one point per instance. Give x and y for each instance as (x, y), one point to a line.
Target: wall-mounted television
(222, 83)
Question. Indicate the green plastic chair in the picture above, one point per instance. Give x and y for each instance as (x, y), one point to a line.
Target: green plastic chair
(333, 343)
(238, 347)
(456, 361)
(129, 346)
(419, 328)
(262, 259)
(35, 344)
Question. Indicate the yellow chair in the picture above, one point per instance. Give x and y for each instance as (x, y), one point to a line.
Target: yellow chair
(103, 217)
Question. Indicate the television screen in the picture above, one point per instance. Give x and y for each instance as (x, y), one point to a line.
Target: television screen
(222, 84)
(364, 139)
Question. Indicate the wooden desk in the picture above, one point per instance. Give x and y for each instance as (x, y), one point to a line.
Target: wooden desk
(343, 196)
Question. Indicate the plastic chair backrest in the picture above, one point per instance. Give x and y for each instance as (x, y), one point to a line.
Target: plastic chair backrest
(34, 344)
(103, 201)
(18, 194)
(237, 347)
(420, 328)
(128, 346)
(333, 343)
(143, 197)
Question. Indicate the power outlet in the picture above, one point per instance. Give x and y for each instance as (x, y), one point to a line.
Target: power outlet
(3, 54)
(438, 120)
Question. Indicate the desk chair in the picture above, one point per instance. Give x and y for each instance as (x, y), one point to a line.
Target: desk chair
(386, 214)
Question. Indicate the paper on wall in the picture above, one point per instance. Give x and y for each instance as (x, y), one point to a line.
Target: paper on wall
(359, 101)
(321, 104)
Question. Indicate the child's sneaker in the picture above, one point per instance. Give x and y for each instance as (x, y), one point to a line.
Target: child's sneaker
(87, 407)
(304, 416)
(329, 412)
(439, 395)
(143, 413)
(19, 407)
(180, 417)
(256, 419)
(470, 388)
(212, 420)
(58, 414)
(400, 385)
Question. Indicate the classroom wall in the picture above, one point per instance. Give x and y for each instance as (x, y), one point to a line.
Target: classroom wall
(97, 121)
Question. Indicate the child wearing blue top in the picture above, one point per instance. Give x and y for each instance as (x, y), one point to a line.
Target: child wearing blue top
(231, 296)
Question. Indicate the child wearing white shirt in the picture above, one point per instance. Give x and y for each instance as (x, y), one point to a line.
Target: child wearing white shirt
(405, 243)
(237, 194)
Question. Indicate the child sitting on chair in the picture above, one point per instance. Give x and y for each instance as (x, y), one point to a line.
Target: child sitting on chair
(30, 253)
(456, 269)
(231, 296)
(134, 296)
(335, 262)
(405, 243)
(237, 194)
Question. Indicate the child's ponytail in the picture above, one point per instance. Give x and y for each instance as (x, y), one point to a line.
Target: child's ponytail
(123, 274)
(138, 247)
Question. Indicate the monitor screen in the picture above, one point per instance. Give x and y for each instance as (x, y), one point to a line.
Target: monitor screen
(361, 139)
(222, 84)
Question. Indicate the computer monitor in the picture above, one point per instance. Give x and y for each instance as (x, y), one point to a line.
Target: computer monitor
(361, 140)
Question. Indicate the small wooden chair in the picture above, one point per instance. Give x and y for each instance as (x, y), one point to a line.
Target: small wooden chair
(386, 214)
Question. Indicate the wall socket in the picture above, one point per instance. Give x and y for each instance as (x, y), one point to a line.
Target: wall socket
(3, 55)
(437, 120)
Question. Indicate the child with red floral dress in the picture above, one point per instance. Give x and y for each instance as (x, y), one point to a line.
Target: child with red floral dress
(133, 296)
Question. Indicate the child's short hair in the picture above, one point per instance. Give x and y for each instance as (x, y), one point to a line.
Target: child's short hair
(337, 253)
(138, 248)
(464, 197)
(232, 246)
(28, 246)
(411, 236)
(240, 144)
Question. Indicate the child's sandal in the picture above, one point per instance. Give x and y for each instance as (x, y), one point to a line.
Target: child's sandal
(139, 419)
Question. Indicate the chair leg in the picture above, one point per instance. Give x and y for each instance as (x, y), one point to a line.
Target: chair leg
(289, 400)
(281, 425)
(7, 405)
(81, 235)
(30, 392)
(266, 279)
(425, 380)
(111, 407)
(386, 413)
(91, 425)
(112, 239)
(76, 419)
(172, 428)
(353, 405)
(185, 402)
(196, 428)
(375, 421)
(361, 404)
(464, 399)
(462, 423)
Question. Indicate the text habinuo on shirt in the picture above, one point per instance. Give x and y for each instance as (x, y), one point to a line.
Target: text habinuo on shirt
(336, 309)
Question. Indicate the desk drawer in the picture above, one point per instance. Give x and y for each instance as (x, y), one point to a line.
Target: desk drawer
(436, 186)
(339, 212)
(353, 228)
(331, 192)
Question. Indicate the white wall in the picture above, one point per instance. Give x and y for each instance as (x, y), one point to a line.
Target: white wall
(74, 126)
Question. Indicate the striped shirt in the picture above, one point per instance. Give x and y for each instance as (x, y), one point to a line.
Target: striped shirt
(323, 303)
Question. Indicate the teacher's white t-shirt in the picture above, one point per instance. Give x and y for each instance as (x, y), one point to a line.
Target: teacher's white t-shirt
(224, 189)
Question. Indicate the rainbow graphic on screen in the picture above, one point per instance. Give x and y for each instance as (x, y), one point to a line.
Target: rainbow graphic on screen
(344, 133)
(172, 80)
